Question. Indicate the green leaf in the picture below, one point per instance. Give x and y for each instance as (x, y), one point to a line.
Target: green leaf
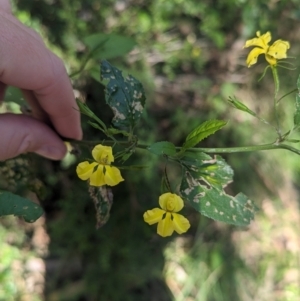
(126, 156)
(162, 148)
(84, 109)
(213, 202)
(125, 96)
(213, 171)
(297, 106)
(240, 106)
(194, 159)
(204, 130)
(203, 186)
(113, 131)
(107, 46)
(13, 94)
(95, 125)
(12, 204)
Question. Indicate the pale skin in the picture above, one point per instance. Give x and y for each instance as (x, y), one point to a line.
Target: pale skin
(26, 63)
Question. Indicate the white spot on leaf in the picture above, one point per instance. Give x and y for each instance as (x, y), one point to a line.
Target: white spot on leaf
(137, 106)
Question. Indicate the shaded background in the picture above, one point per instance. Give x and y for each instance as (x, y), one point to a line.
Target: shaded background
(189, 56)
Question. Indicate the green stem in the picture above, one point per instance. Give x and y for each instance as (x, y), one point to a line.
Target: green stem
(276, 80)
(243, 149)
(294, 90)
(276, 83)
(218, 150)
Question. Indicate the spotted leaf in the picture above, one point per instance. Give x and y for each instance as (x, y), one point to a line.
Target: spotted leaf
(212, 171)
(202, 186)
(125, 96)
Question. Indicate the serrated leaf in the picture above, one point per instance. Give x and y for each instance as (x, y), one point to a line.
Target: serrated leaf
(12, 204)
(162, 148)
(297, 106)
(204, 130)
(125, 96)
(107, 46)
(214, 203)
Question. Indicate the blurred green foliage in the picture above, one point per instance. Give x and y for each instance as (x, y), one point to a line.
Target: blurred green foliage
(182, 55)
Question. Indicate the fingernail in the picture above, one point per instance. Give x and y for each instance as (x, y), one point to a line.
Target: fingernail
(52, 152)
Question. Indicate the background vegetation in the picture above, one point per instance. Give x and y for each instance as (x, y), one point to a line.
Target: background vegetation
(189, 56)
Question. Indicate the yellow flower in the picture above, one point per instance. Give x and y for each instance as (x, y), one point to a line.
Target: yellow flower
(276, 51)
(100, 172)
(167, 219)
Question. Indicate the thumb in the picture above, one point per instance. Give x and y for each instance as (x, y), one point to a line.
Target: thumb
(5, 6)
(21, 134)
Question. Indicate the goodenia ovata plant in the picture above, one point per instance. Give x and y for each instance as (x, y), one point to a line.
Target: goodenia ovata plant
(205, 174)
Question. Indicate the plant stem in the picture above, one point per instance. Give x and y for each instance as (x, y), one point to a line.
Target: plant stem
(243, 149)
(218, 150)
(276, 83)
(294, 90)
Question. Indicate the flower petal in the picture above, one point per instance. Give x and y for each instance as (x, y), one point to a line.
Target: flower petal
(165, 226)
(253, 54)
(112, 175)
(261, 41)
(153, 216)
(103, 154)
(180, 223)
(170, 202)
(97, 178)
(278, 49)
(85, 169)
(272, 61)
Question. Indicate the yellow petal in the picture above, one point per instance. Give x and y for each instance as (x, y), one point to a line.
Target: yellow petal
(170, 202)
(103, 154)
(253, 54)
(153, 216)
(278, 49)
(272, 61)
(112, 175)
(97, 178)
(180, 223)
(261, 41)
(165, 226)
(85, 169)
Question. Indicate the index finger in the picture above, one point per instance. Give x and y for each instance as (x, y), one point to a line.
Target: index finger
(27, 64)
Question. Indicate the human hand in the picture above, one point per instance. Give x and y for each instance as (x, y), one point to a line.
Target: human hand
(26, 63)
